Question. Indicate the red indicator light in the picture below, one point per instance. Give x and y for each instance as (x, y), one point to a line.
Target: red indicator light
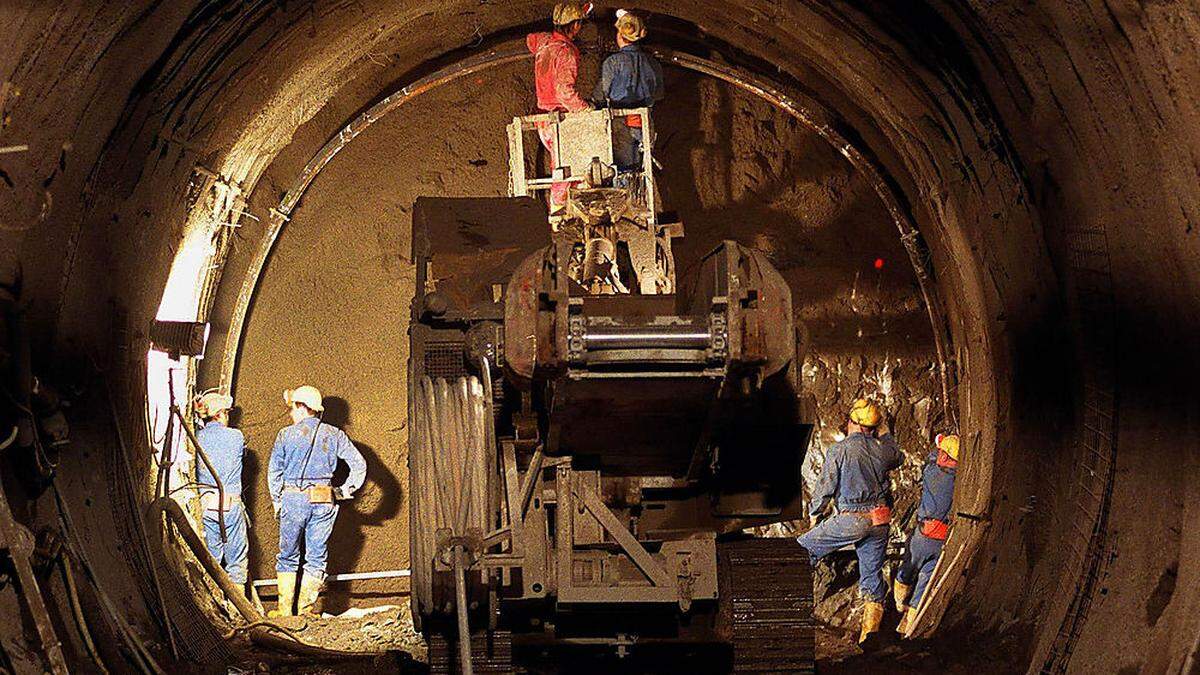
(879, 263)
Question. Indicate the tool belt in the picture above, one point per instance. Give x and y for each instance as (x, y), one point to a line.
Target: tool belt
(935, 529)
(317, 494)
(880, 515)
(210, 501)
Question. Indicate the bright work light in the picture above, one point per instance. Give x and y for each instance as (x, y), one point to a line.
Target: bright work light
(179, 338)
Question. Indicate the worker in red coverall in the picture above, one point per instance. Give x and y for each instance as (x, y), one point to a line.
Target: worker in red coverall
(555, 69)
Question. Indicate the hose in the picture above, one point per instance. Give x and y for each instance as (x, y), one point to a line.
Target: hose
(177, 411)
(140, 521)
(460, 601)
(141, 656)
(77, 610)
(260, 631)
(169, 508)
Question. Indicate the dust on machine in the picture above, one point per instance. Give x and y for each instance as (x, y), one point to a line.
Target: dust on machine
(591, 431)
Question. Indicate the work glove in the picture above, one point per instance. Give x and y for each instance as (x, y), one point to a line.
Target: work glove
(341, 494)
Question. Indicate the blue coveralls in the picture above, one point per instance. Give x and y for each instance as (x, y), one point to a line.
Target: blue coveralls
(937, 495)
(299, 519)
(630, 78)
(856, 474)
(225, 448)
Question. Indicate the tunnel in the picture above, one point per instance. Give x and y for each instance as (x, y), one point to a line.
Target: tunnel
(984, 212)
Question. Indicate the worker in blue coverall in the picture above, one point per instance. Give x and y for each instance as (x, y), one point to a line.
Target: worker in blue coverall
(630, 78)
(299, 478)
(226, 449)
(933, 524)
(855, 475)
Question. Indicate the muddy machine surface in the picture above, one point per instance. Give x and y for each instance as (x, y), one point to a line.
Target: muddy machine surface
(589, 434)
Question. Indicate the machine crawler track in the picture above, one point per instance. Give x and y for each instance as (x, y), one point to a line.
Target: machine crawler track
(766, 606)
(490, 653)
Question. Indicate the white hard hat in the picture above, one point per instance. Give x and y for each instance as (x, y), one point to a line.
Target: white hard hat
(210, 403)
(309, 395)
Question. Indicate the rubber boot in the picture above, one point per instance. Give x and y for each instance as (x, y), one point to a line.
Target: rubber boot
(872, 617)
(901, 592)
(909, 618)
(287, 596)
(310, 588)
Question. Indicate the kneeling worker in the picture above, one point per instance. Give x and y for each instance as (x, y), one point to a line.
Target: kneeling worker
(925, 545)
(856, 474)
(301, 469)
(225, 448)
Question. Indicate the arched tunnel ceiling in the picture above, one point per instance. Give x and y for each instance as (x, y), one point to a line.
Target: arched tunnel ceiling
(1048, 155)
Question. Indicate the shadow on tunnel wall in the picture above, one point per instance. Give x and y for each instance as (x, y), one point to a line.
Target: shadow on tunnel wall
(737, 168)
(353, 524)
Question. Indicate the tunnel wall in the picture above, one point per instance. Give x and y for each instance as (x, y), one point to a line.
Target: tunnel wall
(1012, 130)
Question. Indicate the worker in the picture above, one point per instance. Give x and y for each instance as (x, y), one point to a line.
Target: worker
(933, 524)
(630, 78)
(555, 71)
(299, 478)
(225, 448)
(855, 474)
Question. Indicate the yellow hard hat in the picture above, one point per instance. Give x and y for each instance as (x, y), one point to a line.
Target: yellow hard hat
(569, 12)
(211, 403)
(865, 413)
(630, 26)
(948, 443)
(307, 394)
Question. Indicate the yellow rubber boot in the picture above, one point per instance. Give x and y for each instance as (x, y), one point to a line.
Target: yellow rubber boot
(287, 596)
(906, 621)
(310, 588)
(872, 617)
(901, 592)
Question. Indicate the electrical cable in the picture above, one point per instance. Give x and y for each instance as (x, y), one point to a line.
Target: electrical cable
(77, 610)
(141, 656)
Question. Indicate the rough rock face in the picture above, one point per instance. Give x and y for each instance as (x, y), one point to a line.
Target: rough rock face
(835, 582)
(909, 395)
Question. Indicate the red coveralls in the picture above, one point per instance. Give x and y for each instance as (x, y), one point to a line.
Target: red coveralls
(555, 69)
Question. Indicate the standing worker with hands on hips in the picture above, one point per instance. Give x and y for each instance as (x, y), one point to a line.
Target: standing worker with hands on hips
(301, 470)
(225, 448)
(933, 524)
(855, 474)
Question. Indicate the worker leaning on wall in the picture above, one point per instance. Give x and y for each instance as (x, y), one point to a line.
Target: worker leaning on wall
(226, 449)
(300, 481)
(855, 478)
(933, 524)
